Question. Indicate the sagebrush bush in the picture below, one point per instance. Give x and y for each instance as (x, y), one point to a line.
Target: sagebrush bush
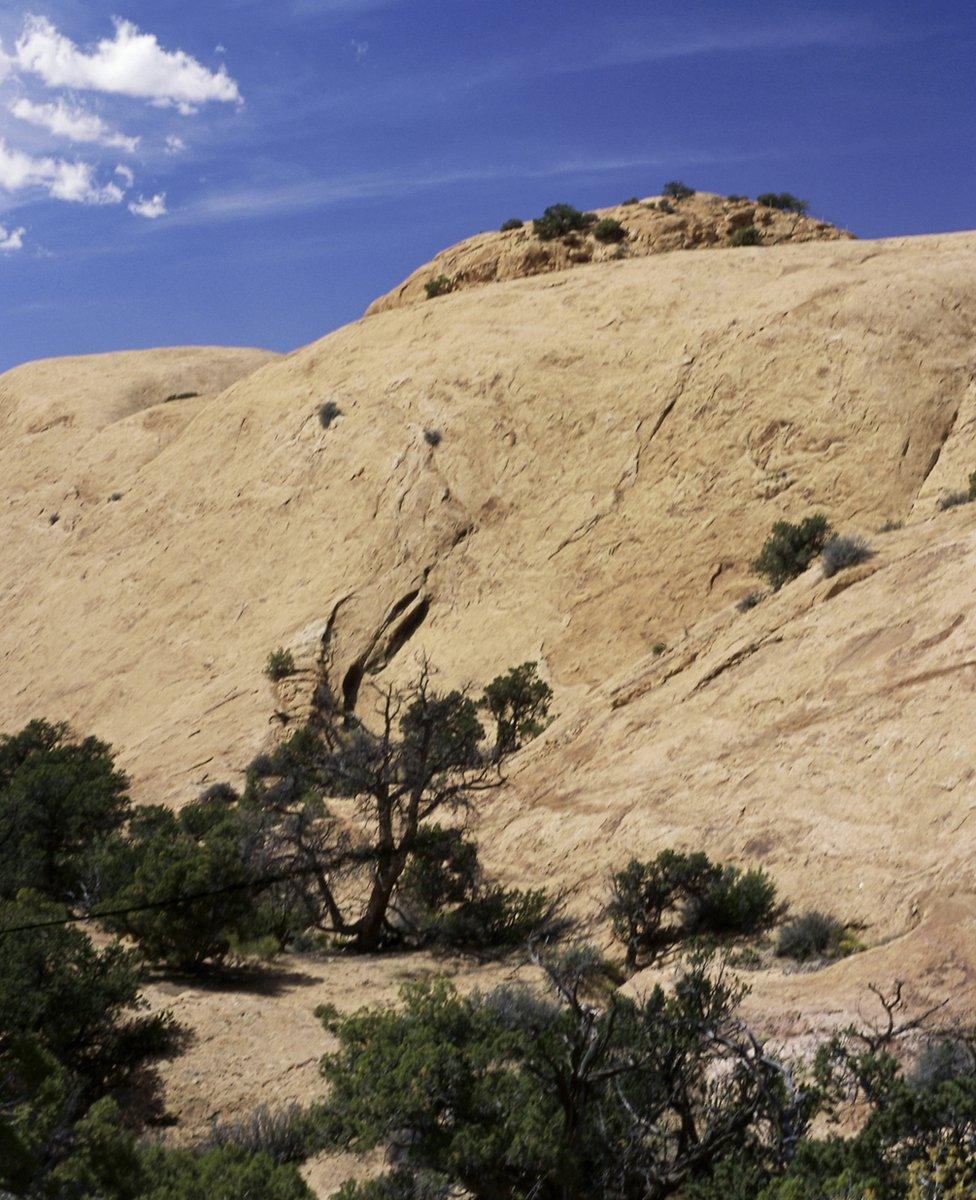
(841, 552)
(561, 219)
(609, 231)
(735, 198)
(890, 526)
(498, 918)
(674, 189)
(784, 201)
(749, 236)
(286, 1135)
(511, 223)
(953, 500)
(328, 411)
(630, 200)
(790, 549)
(432, 437)
(280, 664)
(440, 285)
(813, 934)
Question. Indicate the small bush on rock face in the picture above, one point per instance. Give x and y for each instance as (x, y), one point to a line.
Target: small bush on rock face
(609, 230)
(280, 664)
(664, 206)
(790, 549)
(432, 437)
(511, 223)
(748, 601)
(736, 902)
(749, 236)
(439, 286)
(812, 935)
(631, 200)
(891, 526)
(953, 500)
(519, 702)
(328, 411)
(735, 198)
(841, 552)
(784, 201)
(560, 219)
(674, 189)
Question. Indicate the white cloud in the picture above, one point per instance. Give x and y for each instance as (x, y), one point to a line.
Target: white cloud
(62, 180)
(11, 239)
(131, 63)
(125, 173)
(150, 209)
(175, 144)
(73, 123)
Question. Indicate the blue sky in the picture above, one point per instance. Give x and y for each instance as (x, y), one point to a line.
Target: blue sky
(255, 171)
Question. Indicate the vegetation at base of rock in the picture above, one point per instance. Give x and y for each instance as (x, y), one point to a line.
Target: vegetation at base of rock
(784, 201)
(511, 223)
(813, 935)
(840, 552)
(288, 1134)
(657, 904)
(60, 798)
(790, 549)
(674, 189)
(440, 285)
(561, 219)
(327, 411)
(280, 664)
(576, 1092)
(609, 231)
(747, 236)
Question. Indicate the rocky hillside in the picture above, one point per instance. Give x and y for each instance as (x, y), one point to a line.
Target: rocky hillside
(654, 225)
(575, 468)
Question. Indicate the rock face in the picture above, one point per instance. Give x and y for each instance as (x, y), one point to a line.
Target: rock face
(614, 446)
(653, 226)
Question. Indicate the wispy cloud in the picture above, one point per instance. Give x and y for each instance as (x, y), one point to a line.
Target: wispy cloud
(73, 123)
(305, 195)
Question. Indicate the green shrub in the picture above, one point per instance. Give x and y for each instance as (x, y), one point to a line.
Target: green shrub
(748, 236)
(280, 664)
(735, 198)
(511, 223)
(664, 206)
(60, 797)
(328, 410)
(812, 935)
(840, 552)
(74, 1001)
(790, 549)
(187, 883)
(519, 704)
(224, 1173)
(734, 902)
(433, 437)
(559, 220)
(630, 200)
(785, 201)
(676, 190)
(890, 526)
(609, 231)
(953, 500)
(658, 648)
(440, 285)
(497, 918)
